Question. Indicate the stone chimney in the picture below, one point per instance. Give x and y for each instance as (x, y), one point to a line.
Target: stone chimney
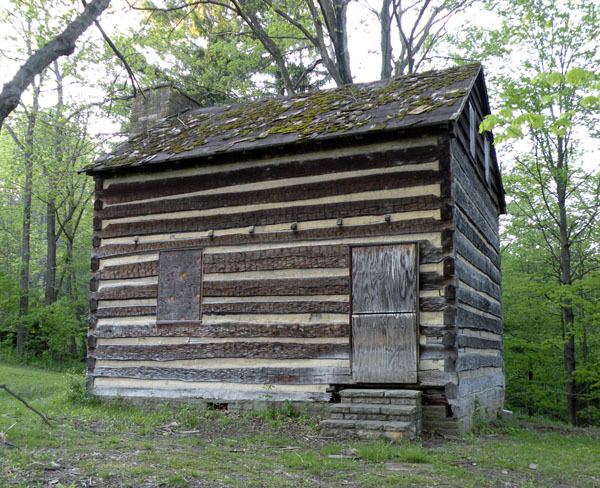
(159, 102)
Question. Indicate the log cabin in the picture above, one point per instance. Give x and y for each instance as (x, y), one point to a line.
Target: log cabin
(338, 250)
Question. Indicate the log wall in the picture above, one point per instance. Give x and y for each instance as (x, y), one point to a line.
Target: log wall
(476, 199)
(275, 234)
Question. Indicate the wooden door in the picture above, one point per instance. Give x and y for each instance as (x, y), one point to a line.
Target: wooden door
(384, 313)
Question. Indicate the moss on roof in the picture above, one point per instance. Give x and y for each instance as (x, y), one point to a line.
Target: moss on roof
(419, 99)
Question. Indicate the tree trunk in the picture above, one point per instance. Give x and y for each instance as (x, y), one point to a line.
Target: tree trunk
(70, 274)
(25, 254)
(50, 274)
(569, 358)
(385, 20)
(566, 280)
(25, 250)
(334, 15)
(251, 19)
(341, 35)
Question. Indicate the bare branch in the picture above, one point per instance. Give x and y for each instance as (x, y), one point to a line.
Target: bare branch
(115, 50)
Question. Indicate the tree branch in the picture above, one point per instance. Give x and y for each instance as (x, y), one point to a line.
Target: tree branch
(61, 45)
(12, 393)
(115, 50)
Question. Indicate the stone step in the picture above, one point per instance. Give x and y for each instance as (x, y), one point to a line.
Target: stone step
(366, 424)
(369, 429)
(380, 396)
(362, 392)
(371, 411)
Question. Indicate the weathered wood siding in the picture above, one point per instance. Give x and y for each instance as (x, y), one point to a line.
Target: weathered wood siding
(275, 235)
(476, 199)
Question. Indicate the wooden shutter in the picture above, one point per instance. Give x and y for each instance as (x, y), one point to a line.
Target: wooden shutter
(179, 285)
(384, 348)
(487, 157)
(383, 279)
(384, 314)
(472, 131)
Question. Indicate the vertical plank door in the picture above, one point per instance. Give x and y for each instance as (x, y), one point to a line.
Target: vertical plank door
(384, 314)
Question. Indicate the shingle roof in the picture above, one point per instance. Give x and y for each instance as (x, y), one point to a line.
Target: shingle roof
(417, 100)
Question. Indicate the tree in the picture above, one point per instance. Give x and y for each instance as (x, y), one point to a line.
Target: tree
(552, 101)
(215, 57)
(62, 45)
(50, 144)
(310, 33)
(419, 26)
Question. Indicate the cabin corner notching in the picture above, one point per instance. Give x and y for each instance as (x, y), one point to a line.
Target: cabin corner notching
(243, 254)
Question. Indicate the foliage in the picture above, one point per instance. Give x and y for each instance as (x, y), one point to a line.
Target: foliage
(51, 329)
(552, 102)
(76, 390)
(43, 146)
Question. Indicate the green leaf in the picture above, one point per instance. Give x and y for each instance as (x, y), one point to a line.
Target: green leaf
(552, 78)
(536, 121)
(578, 76)
(488, 123)
(590, 102)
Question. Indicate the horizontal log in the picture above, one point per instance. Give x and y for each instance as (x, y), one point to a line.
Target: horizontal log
(464, 173)
(275, 287)
(429, 254)
(467, 362)
(230, 392)
(276, 307)
(125, 311)
(446, 336)
(233, 329)
(433, 304)
(300, 376)
(436, 352)
(274, 350)
(477, 215)
(282, 258)
(331, 256)
(398, 228)
(478, 301)
(133, 270)
(283, 214)
(126, 292)
(478, 342)
(232, 197)
(477, 280)
(131, 191)
(433, 281)
(471, 320)
(471, 254)
(472, 173)
(465, 228)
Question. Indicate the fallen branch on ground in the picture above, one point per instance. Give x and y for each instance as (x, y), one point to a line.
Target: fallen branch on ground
(24, 402)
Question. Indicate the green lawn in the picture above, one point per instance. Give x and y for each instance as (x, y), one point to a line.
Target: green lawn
(113, 444)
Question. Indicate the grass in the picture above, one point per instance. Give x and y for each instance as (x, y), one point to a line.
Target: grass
(116, 444)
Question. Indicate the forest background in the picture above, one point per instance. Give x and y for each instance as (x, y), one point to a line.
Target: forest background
(541, 59)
